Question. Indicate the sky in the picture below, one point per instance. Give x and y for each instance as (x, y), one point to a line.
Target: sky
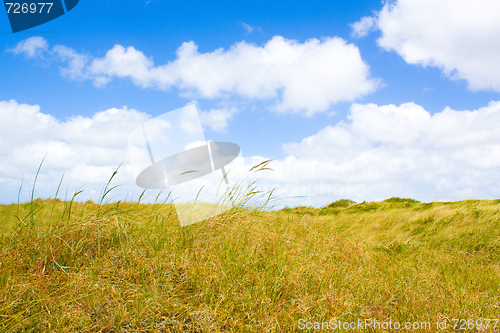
(363, 100)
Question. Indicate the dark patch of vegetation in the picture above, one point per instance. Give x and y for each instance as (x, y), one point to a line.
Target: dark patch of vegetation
(336, 207)
(363, 207)
(341, 203)
(312, 211)
(401, 200)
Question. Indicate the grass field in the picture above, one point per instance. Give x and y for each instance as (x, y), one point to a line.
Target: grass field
(129, 267)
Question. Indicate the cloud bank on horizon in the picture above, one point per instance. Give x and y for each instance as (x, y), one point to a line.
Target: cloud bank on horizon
(381, 151)
(376, 152)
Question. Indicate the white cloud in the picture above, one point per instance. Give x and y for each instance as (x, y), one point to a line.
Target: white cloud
(32, 47)
(249, 29)
(376, 153)
(298, 77)
(389, 150)
(363, 27)
(458, 36)
(217, 119)
(123, 62)
(87, 149)
(76, 61)
(195, 144)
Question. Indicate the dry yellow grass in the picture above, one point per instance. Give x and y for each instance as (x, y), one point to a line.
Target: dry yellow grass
(128, 267)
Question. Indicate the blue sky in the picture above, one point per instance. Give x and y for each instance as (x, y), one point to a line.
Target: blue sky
(378, 99)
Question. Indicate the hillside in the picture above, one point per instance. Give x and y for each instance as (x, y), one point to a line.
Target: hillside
(126, 267)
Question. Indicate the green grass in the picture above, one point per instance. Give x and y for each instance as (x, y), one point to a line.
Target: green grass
(129, 267)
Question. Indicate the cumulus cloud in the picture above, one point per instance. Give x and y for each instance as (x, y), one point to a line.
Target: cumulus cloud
(363, 27)
(123, 62)
(388, 150)
(458, 36)
(76, 61)
(32, 47)
(87, 150)
(307, 77)
(217, 119)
